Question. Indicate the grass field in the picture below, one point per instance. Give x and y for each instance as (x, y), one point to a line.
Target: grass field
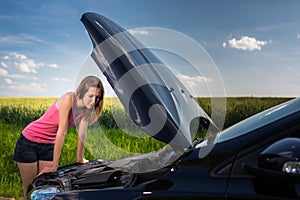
(109, 143)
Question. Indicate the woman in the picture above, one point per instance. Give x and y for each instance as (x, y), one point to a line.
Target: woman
(39, 146)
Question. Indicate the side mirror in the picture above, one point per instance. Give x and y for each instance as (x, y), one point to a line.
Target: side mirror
(277, 172)
(283, 155)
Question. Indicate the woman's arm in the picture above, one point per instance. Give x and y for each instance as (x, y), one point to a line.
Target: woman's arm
(82, 132)
(64, 105)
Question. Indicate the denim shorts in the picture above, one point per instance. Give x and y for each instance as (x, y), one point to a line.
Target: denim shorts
(27, 151)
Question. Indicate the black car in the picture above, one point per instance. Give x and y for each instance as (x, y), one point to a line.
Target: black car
(257, 158)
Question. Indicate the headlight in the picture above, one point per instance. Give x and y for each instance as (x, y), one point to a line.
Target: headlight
(44, 193)
(291, 167)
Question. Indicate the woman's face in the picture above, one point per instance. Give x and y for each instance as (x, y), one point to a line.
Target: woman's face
(91, 97)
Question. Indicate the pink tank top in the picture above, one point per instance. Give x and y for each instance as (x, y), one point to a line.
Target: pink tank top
(44, 129)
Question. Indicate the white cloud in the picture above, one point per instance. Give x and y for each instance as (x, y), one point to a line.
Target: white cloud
(8, 81)
(61, 79)
(245, 43)
(5, 57)
(192, 80)
(31, 87)
(3, 72)
(53, 65)
(298, 36)
(21, 39)
(29, 66)
(66, 34)
(18, 55)
(20, 76)
(3, 64)
(23, 63)
(37, 87)
(139, 32)
(194, 84)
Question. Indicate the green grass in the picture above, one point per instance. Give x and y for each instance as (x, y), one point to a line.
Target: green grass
(240, 108)
(10, 181)
(107, 142)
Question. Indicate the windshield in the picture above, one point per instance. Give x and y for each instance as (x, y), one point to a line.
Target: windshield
(261, 119)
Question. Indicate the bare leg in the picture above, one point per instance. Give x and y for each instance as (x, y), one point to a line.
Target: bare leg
(43, 164)
(28, 172)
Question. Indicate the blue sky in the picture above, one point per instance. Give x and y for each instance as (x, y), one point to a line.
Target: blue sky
(254, 44)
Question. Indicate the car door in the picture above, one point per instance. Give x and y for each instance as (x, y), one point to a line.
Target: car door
(257, 171)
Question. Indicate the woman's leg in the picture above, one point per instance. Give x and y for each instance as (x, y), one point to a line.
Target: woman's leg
(46, 157)
(28, 172)
(43, 164)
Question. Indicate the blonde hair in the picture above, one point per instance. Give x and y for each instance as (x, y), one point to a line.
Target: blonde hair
(88, 82)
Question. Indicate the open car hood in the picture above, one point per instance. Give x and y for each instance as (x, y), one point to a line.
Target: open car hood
(152, 95)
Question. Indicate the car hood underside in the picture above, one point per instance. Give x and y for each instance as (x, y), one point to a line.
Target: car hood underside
(149, 91)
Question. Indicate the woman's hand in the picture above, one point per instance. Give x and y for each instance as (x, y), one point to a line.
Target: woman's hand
(82, 161)
(48, 169)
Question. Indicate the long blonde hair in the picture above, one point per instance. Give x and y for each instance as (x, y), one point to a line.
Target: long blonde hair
(91, 81)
